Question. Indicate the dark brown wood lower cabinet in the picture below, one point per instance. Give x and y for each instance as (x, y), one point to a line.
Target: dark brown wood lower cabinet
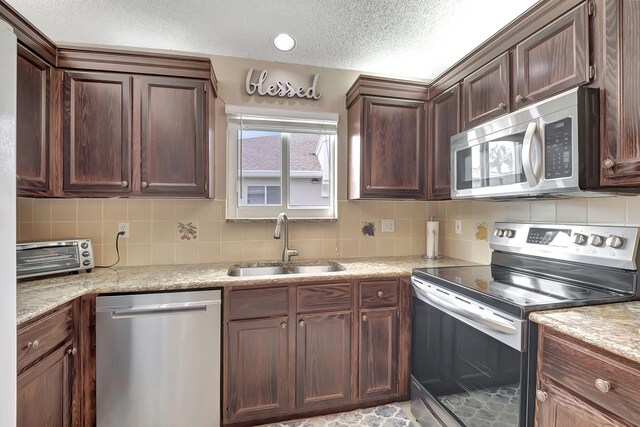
(45, 390)
(258, 364)
(323, 360)
(378, 361)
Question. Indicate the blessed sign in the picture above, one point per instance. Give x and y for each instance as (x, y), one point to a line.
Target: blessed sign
(280, 89)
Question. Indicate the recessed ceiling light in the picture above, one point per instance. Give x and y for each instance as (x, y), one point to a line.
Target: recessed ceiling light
(284, 42)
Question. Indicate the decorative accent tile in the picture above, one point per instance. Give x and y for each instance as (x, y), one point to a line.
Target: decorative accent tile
(187, 231)
(482, 231)
(368, 229)
(385, 416)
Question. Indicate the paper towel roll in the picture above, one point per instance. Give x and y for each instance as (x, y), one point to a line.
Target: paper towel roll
(432, 239)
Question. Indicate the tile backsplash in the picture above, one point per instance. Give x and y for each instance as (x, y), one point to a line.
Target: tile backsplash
(156, 237)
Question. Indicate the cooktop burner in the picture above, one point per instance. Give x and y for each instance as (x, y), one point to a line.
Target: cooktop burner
(515, 292)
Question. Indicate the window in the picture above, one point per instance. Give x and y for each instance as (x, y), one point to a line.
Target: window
(279, 162)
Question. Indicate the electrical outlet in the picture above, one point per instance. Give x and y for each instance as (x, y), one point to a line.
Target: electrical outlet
(123, 226)
(388, 226)
(458, 226)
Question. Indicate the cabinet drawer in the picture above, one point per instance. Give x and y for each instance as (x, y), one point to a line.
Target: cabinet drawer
(44, 335)
(378, 294)
(577, 368)
(256, 303)
(330, 297)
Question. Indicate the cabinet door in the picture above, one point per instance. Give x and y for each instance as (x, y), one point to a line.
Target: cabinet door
(393, 149)
(32, 125)
(445, 122)
(324, 362)
(554, 59)
(44, 391)
(258, 362)
(173, 131)
(620, 94)
(486, 92)
(561, 409)
(378, 354)
(97, 133)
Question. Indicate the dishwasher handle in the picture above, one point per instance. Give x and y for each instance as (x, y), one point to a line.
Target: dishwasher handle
(127, 312)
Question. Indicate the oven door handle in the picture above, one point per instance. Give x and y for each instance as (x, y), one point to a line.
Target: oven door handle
(496, 324)
(527, 158)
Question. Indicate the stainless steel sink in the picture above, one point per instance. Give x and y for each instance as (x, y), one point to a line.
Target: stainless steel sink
(283, 268)
(264, 270)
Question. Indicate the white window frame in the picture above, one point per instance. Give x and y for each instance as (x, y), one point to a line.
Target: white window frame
(239, 118)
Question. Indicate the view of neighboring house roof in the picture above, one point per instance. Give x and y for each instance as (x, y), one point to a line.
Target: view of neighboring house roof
(263, 153)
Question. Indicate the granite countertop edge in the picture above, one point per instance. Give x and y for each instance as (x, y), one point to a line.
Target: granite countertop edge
(611, 327)
(36, 297)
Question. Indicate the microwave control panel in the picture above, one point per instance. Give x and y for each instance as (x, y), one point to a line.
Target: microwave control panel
(557, 149)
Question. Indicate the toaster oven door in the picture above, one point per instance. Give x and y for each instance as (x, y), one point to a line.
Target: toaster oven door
(36, 260)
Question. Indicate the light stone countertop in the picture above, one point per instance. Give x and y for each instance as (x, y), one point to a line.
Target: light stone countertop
(611, 327)
(36, 297)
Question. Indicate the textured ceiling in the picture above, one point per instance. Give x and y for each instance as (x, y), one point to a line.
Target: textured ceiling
(404, 38)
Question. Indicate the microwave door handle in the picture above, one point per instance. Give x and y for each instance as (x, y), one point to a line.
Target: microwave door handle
(448, 306)
(527, 158)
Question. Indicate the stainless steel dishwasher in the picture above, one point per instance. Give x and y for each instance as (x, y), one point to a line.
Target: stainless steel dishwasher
(158, 359)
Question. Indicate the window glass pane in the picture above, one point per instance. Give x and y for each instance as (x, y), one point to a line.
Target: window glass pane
(260, 165)
(273, 195)
(310, 170)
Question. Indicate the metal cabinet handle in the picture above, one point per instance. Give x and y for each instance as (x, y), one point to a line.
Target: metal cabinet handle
(125, 184)
(72, 351)
(541, 395)
(608, 164)
(603, 386)
(144, 184)
(18, 177)
(364, 317)
(519, 99)
(380, 293)
(368, 187)
(283, 325)
(301, 323)
(33, 344)
(502, 106)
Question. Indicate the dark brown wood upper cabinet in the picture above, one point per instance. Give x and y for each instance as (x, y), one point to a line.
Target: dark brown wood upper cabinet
(173, 132)
(32, 124)
(445, 122)
(617, 47)
(554, 59)
(486, 92)
(386, 139)
(324, 371)
(378, 359)
(97, 133)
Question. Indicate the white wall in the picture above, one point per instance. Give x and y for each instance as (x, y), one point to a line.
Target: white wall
(7, 226)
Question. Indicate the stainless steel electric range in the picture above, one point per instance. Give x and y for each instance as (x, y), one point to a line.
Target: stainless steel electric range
(473, 349)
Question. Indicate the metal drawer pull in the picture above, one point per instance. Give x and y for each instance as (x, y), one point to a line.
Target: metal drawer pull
(519, 99)
(301, 323)
(125, 184)
(541, 395)
(364, 317)
(144, 184)
(72, 351)
(502, 106)
(602, 385)
(33, 344)
(283, 325)
(380, 293)
(608, 164)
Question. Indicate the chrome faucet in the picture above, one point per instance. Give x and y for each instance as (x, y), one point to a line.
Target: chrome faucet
(286, 252)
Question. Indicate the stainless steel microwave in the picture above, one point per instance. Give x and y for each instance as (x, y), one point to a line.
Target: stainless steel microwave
(548, 149)
(53, 257)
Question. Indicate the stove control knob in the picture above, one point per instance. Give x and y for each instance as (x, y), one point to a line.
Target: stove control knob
(596, 240)
(509, 233)
(615, 242)
(579, 239)
(499, 232)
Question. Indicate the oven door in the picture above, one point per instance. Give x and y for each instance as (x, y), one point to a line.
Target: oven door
(469, 361)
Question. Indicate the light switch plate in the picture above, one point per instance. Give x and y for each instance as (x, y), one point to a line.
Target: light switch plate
(458, 226)
(388, 225)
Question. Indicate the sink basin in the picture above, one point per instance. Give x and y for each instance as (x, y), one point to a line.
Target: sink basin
(265, 270)
(283, 268)
(319, 268)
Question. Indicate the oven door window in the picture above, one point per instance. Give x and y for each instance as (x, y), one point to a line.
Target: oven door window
(475, 377)
(491, 164)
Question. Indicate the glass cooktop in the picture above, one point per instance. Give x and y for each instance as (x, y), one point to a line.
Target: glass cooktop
(515, 292)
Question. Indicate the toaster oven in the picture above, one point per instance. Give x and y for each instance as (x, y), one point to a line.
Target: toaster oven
(53, 257)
